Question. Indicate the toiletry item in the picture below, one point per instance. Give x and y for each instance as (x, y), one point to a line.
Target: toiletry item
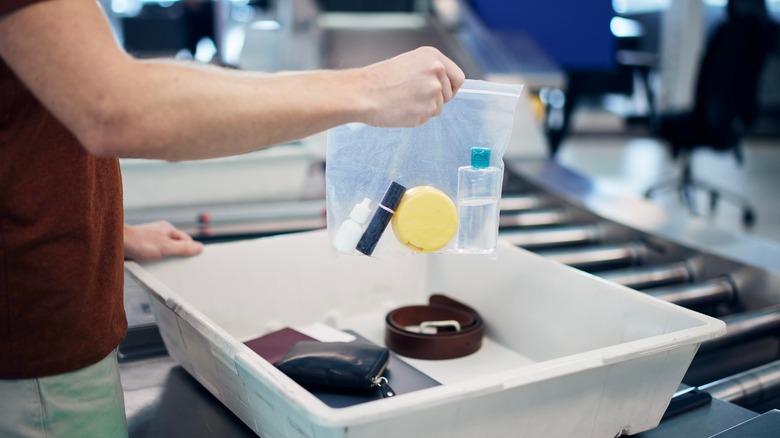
(351, 229)
(381, 218)
(479, 189)
(425, 220)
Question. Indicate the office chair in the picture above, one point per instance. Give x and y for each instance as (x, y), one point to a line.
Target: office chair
(725, 104)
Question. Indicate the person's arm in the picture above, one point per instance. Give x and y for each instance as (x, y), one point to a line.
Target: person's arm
(158, 240)
(64, 51)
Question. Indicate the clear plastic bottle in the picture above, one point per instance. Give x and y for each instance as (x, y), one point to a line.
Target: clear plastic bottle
(479, 189)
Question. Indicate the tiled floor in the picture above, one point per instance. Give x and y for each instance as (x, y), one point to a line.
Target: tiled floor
(633, 163)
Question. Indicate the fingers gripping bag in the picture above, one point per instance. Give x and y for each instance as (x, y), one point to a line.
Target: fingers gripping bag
(434, 188)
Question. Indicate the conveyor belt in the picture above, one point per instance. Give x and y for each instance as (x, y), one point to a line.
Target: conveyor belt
(746, 297)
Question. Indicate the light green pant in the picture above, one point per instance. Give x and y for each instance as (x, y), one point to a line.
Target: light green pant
(85, 403)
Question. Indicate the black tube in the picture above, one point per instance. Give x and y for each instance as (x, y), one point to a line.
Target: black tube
(381, 218)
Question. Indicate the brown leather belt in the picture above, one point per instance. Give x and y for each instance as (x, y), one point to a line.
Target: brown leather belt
(444, 329)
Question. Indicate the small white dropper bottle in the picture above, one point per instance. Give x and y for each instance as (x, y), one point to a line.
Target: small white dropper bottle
(351, 229)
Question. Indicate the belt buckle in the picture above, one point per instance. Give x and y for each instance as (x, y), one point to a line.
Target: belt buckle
(434, 327)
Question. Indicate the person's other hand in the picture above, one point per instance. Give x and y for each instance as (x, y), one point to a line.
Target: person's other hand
(157, 240)
(409, 89)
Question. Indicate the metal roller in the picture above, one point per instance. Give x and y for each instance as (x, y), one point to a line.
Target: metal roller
(651, 276)
(591, 259)
(747, 326)
(521, 202)
(710, 292)
(549, 237)
(533, 218)
(749, 387)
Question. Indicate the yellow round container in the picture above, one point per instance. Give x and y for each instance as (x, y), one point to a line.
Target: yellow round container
(425, 220)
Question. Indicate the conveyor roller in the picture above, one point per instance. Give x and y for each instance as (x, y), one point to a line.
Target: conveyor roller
(600, 257)
(718, 290)
(534, 218)
(747, 326)
(651, 276)
(551, 237)
(749, 387)
(521, 202)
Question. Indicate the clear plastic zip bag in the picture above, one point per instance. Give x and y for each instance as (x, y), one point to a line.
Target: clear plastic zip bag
(430, 189)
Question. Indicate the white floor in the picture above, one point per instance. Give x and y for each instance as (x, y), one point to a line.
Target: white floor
(633, 163)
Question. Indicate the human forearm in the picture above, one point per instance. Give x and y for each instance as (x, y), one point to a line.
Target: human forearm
(120, 106)
(201, 113)
(242, 111)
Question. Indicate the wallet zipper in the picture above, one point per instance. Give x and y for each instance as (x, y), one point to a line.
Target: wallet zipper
(382, 383)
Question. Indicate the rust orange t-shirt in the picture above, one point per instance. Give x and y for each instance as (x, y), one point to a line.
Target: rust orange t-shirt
(61, 244)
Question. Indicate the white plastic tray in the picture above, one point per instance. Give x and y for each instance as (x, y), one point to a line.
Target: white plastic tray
(566, 353)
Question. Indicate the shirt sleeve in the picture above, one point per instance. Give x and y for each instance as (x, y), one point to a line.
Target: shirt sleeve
(8, 6)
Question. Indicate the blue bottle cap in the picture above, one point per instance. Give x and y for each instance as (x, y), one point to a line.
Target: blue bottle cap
(480, 157)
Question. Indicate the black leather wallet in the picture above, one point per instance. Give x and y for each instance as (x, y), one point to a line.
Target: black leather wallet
(338, 365)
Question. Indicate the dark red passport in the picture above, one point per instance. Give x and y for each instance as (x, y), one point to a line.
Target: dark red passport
(274, 345)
